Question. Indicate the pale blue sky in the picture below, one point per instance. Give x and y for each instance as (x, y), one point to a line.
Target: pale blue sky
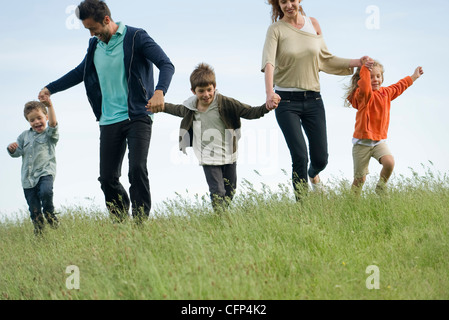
(40, 43)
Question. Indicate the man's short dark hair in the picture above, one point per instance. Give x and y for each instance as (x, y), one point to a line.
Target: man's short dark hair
(95, 9)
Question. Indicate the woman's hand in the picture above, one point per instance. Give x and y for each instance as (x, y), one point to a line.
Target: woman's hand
(355, 63)
(273, 100)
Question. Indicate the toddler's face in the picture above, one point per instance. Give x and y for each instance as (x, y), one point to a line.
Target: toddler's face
(377, 78)
(38, 120)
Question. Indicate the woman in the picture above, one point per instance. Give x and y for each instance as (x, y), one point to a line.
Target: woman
(293, 55)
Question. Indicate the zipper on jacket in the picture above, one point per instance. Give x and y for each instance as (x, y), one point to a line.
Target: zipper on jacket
(143, 88)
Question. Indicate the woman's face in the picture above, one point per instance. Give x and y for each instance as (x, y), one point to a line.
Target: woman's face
(290, 8)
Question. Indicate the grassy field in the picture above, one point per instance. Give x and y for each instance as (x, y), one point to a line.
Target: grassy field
(265, 247)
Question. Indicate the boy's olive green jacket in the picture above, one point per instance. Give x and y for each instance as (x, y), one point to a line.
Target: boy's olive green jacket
(230, 111)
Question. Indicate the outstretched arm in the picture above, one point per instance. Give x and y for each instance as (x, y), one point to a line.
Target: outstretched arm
(355, 63)
(418, 73)
(45, 99)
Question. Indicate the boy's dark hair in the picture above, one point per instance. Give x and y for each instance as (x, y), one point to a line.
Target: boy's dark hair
(34, 105)
(203, 76)
(95, 9)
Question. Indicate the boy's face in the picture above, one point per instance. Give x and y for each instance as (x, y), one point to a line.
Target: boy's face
(38, 120)
(205, 95)
(377, 78)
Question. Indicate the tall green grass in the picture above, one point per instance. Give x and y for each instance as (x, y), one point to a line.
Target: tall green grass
(265, 246)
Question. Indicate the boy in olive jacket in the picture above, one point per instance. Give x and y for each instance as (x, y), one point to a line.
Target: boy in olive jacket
(211, 125)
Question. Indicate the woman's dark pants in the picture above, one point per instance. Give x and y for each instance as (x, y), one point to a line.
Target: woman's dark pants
(300, 111)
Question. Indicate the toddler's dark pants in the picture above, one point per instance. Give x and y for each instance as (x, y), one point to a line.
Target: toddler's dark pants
(40, 203)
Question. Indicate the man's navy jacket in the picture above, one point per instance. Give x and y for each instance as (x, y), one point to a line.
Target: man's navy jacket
(141, 52)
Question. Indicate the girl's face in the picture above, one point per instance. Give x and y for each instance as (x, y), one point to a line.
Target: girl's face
(38, 120)
(377, 78)
(290, 8)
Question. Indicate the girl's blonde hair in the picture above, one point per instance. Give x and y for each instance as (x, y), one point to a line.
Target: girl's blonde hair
(354, 84)
(276, 12)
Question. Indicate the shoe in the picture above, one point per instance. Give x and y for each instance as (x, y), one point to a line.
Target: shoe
(52, 220)
(317, 186)
(381, 189)
(39, 225)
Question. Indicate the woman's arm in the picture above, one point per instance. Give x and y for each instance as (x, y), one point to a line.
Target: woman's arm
(355, 63)
(273, 99)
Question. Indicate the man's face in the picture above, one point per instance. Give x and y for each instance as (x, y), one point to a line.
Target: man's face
(100, 30)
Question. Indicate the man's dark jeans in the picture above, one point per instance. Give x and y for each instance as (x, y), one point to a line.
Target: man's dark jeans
(136, 134)
(297, 111)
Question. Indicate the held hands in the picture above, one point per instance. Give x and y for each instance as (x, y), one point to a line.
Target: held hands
(273, 100)
(13, 147)
(45, 99)
(44, 96)
(156, 103)
(367, 62)
(418, 73)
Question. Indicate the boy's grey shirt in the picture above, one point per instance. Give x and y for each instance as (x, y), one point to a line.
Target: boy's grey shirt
(38, 155)
(230, 111)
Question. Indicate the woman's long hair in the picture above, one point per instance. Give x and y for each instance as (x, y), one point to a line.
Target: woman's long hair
(276, 12)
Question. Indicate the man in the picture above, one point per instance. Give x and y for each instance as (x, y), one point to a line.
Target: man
(118, 75)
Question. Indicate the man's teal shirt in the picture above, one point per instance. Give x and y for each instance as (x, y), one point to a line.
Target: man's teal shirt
(110, 65)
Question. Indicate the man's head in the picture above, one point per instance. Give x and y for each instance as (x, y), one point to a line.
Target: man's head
(96, 17)
(94, 9)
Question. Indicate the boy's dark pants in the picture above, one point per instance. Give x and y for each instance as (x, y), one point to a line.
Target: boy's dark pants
(40, 198)
(297, 111)
(113, 141)
(222, 181)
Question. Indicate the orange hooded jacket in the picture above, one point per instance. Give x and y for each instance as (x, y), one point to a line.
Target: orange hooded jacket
(373, 107)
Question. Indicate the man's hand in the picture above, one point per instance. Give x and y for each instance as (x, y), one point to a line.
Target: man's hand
(157, 102)
(44, 94)
(45, 99)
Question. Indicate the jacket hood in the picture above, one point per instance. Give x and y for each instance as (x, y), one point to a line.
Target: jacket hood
(191, 102)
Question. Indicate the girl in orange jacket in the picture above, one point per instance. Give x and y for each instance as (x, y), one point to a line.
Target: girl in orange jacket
(373, 104)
